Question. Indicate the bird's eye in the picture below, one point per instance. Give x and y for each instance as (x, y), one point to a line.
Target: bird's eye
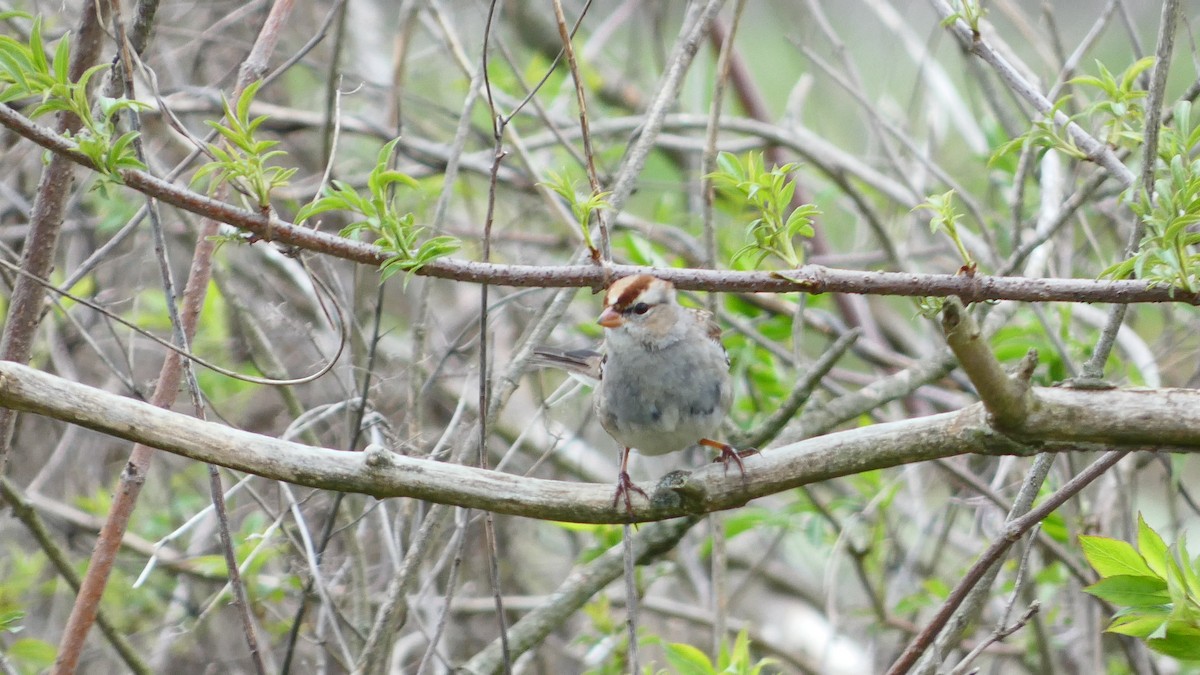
(641, 308)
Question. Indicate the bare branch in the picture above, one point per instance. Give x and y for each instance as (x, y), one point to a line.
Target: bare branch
(1163, 417)
(1004, 397)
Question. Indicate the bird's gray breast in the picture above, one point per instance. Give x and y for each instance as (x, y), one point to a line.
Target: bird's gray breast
(664, 400)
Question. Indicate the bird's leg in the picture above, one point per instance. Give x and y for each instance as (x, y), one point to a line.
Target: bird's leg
(729, 454)
(625, 484)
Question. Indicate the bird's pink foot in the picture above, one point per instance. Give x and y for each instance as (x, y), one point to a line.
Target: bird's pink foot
(729, 454)
(625, 485)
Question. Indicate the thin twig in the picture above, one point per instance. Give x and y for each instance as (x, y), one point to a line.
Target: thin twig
(605, 252)
(181, 339)
(695, 25)
(1093, 368)
(485, 381)
(579, 587)
(457, 544)
(1012, 532)
(766, 431)
(976, 44)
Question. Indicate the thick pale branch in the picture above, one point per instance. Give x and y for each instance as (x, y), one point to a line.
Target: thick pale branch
(809, 279)
(1004, 397)
(1160, 417)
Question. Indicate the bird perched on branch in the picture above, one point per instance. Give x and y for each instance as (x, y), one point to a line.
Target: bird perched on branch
(663, 377)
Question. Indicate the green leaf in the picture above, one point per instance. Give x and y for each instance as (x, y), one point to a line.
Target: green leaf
(62, 59)
(122, 153)
(1153, 548)
(1190, 573)
(81, 86)
(49, 106)
(381, 162)
(438, 247)
(388, 178)
(247, 97)
(37, 654)
(687, 660)
(1129, 77)
(1113, 557)
(37, 49)
(1131, 591)
(740, 654)
(1140, 623)
(10, 620)
(728, 164)
(1182, 641)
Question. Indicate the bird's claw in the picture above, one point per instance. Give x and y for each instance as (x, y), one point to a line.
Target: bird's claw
(730, 454)
(625, 485)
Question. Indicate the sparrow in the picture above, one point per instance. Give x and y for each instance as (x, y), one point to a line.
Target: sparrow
(663, 375)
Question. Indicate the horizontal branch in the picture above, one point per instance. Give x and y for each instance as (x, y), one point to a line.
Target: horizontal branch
(1129, 418)
(809, 278)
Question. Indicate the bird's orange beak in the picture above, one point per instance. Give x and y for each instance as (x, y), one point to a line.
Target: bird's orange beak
(610, 318)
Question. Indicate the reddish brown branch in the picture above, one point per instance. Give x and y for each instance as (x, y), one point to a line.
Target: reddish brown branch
(809, 279)
(45, 222)
(133, 478)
